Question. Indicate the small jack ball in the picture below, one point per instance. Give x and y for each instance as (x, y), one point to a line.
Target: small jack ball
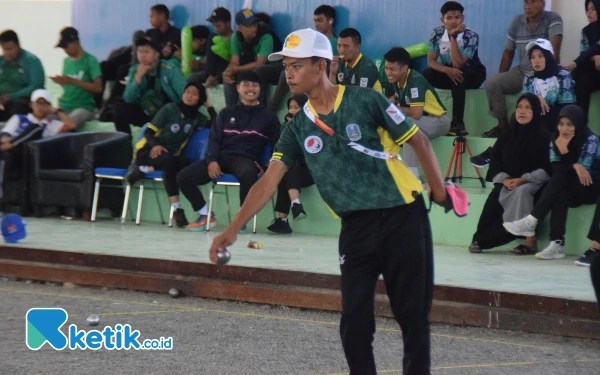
(93, 320)
(174, 292)
(223, 257)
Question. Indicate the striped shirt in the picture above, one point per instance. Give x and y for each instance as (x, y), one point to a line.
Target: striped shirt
(519, 34)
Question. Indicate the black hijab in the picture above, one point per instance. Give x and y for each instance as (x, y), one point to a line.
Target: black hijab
(551, 65)
(522, 148)
(190, 112)
(592, 31)
(582, 133)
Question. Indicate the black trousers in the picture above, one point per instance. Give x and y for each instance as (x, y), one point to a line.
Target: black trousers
(594, 233)
(473, 79)
(490, 231)
(297, 178)
(126, 114)
(563, 191)
(595, 273)
(587, 80)
(243, 168)
(17, 106)
(169, 164)
(397, 244)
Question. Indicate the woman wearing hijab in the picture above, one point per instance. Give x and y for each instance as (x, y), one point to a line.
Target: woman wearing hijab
(587, 65)
(164, 139)
(574, 156)
(519, 168)
(288, 191)
(552, 84)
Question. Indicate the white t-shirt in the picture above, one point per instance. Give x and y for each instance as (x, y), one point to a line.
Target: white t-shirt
(14, 126)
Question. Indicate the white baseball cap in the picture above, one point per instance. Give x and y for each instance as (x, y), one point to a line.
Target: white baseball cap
(304, 43)
(41, 94)
(542, 43)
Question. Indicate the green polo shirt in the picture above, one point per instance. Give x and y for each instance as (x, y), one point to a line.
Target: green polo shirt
(86, 69)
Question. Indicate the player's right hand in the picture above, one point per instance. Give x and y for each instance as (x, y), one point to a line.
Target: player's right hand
(220, 242)
(455, 75)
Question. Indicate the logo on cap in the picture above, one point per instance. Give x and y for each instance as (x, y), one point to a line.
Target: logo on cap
(247, 13)
(11, 228)
(292, 41)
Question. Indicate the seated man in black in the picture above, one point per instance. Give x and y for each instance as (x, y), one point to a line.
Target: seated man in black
(220, 20)
(237, 138)
(150, 85)
(163, 33)
(453, 60)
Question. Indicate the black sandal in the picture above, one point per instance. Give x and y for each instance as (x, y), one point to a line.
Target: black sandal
(475, 248)
(523, 250)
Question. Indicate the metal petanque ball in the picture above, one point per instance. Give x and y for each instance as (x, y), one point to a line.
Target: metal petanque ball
(223, 257)
(93, 320)
(174, 292)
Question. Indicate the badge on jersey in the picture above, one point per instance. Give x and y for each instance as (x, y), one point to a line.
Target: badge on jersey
(414, 93)
(340, 77)
(353, 80)
(313, 144)
(407, 100)
(187, 128)
(175, 128)
(395, 114)
(353, 132)
(364, 82)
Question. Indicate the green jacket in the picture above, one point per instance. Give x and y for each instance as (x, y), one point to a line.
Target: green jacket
(171, 81)
(32, 72)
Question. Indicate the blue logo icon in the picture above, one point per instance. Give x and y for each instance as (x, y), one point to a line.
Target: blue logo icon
(43, 326)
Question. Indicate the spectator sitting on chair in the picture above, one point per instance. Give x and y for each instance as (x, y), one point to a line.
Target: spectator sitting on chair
(22, 128)
(324, 19)
(81, 79)
(417, 99)
(150, 85)
(552, 84)
(163, 33)
(351, 68)
(21, 73)
(535, 23)
(220, 19)
(520, 167)
(574, 156)
(200, 35)
(165, 138)
(587, 65)
(453, 61)
(297, 177)
(236, 141)
(250, 47)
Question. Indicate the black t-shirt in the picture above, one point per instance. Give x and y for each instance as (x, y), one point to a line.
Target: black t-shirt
(172, 35)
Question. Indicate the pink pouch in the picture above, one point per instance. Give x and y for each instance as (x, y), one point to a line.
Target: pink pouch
(458, 198)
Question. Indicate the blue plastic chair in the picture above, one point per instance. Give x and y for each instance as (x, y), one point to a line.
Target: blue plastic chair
(228, 180)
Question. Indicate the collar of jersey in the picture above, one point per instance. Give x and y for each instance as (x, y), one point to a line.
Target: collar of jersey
(338, 101)
(407, 75)
(356, 62)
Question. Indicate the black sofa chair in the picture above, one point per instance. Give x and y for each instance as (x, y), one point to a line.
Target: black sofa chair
(16, 179)
(63, 169)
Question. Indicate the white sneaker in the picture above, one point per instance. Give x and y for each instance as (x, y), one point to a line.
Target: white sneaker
(524, 227)
(555, 250)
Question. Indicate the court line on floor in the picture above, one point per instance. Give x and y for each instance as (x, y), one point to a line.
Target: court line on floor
(485, 365)
(181, 308)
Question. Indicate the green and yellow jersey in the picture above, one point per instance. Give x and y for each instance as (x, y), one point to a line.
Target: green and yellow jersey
(362, 73)
(416, 92)
(347, 179)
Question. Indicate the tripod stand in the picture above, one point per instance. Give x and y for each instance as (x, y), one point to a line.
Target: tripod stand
(456, 160)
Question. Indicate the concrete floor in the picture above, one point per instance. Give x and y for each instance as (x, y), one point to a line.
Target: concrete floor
(454, 266)
(218, 337)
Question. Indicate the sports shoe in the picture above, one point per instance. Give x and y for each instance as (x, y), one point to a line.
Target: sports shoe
(482, 160)
(243, 230)
(279, 226)
(524, 227)
(586, 259)
(298, 212)
(180, 219)
(201, 222)
(555, 250)
(133, 174)
(475, 248)
(457, 128)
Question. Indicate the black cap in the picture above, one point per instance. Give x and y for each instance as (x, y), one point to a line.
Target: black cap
(248, 76)
(67, 35)
(219, 14)
(147, 41)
